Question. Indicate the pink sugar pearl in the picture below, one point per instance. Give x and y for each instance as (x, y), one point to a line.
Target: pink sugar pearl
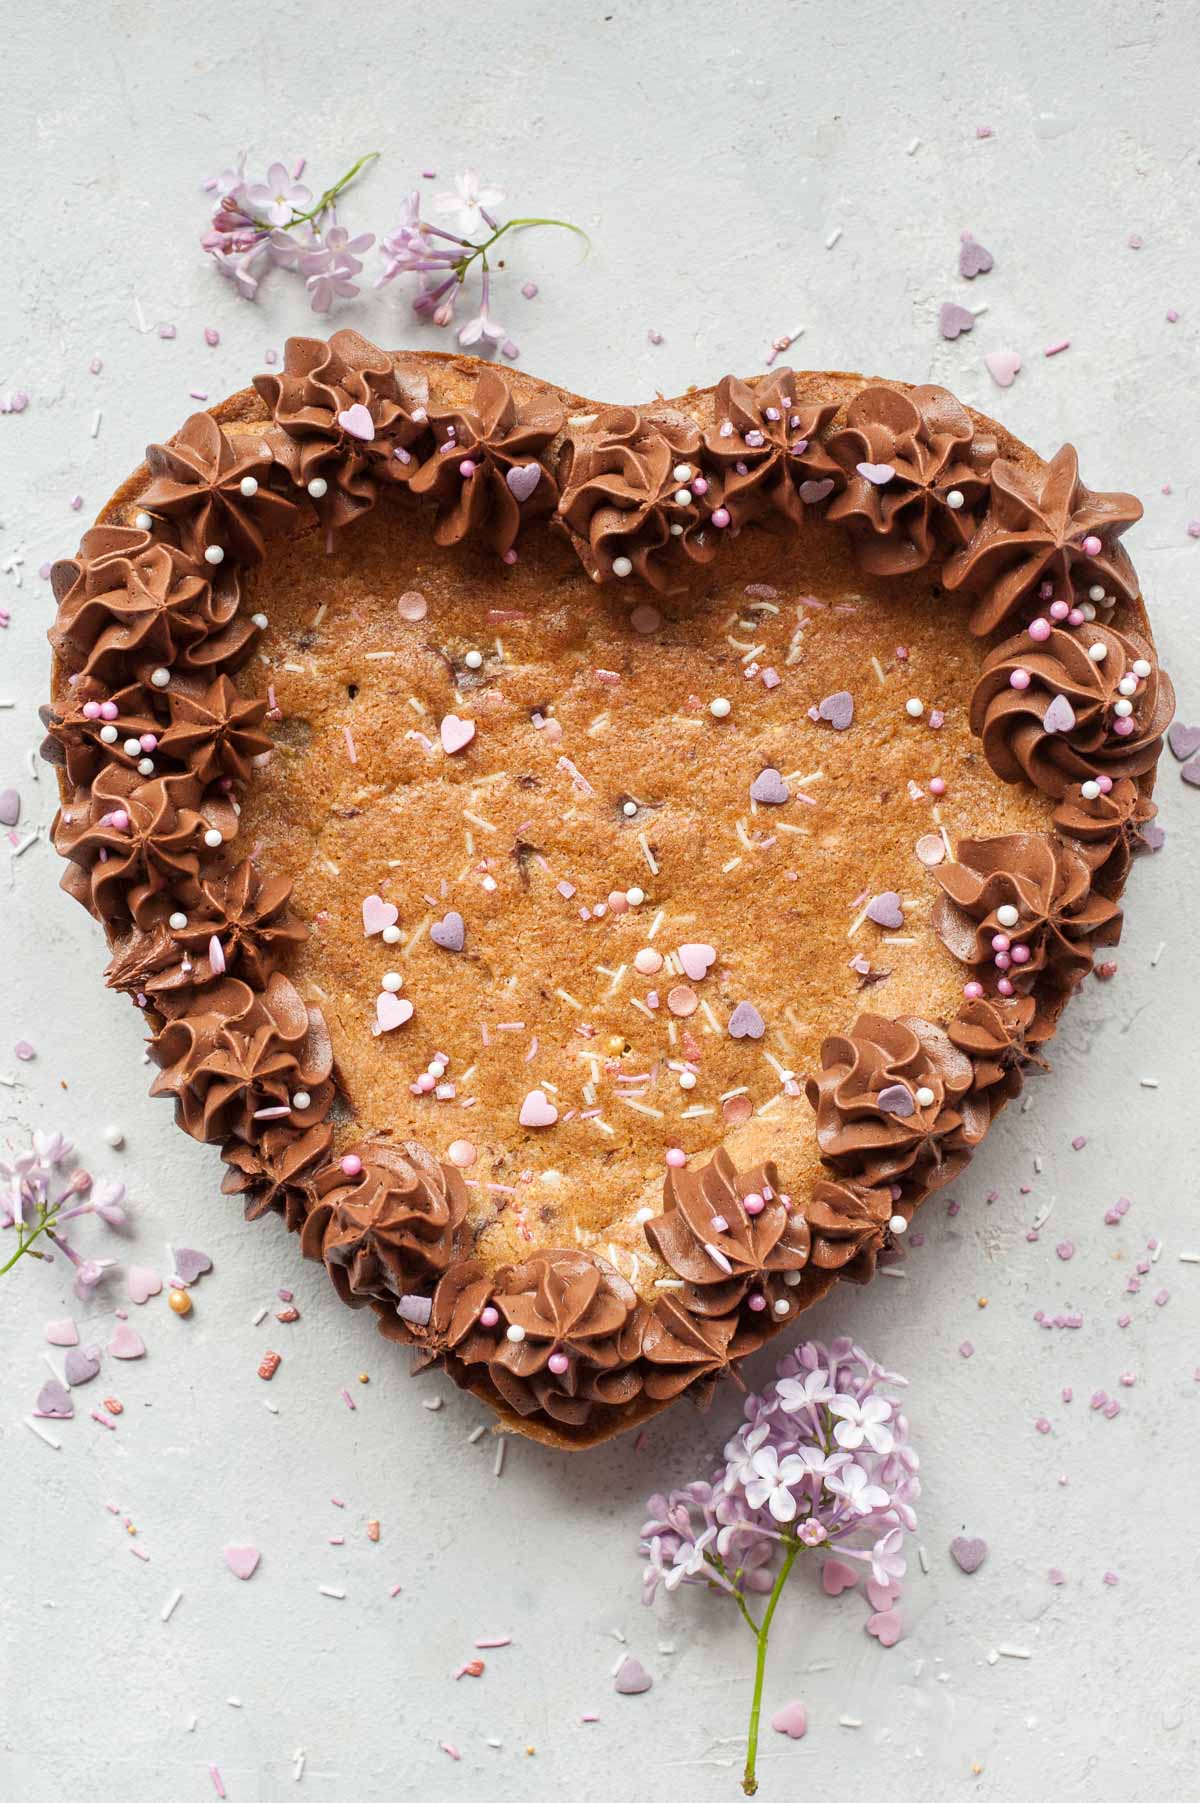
(1092, 546)
(753, 1204)
(1004, 986)
(1059, 610)
(1040, 630)
(972, 991)
(757, 1302)
(508, 557)
(466, 467)
(91, 710)
(676, 1158)
(700, 485)
(937, 785)
(559, 1363)
(1104, 784)
(352, 1165)
(109, 710)
(1020, 954)
(1019, 679)
(1000, 942)
(148, 742)
(489, 1316)
(720, 517)
(1002, 960)
(119, 819)
(1075, 617)
(1123, 728)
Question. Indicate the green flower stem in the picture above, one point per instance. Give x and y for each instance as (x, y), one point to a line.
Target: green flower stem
(512, 225)
(750, 1779)
(330, 195)
(25, 1243)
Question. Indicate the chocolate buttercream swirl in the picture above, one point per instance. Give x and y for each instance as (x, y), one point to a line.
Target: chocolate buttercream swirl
(486, 474)
(574, 1309)
(1063, 726)
(238, 1060)
(1060, 919)
(216, 732)
(765, 445)
(342, 420)
(273, 1176)
(132, 843)
(680, 1348)
(706, 1235)
(1035, 530)
(932, 501)
(389, 1229)
(621, 495)
(893, 1104)
(1106, 829)
(78, 739)
(1000, 1038)
(455, 1331)
(849, 1226)
(245, 912)
(128, 606)
(215, 493)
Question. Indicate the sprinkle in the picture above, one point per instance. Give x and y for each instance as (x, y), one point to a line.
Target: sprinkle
(330, 1590)
(217, 1783)
(1059, 345)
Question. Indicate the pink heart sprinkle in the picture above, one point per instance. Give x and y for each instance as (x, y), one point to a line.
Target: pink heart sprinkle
(878, 474)
(1002, 367)
(143, 1283)
(769, 788)
(377, 914)
(456, 734)
(127, 1343)
(791, 1720)
(968, 1552)
(242, 1560)
(1059, 716)
(746, 1022)
(632, 1678)
(62, 1333)
(886, 1626)
(190, 1265)
(81, 1365)
(54, 1400)
(697, 960)
(837, 1576)
(391, 1010)
(882, 1596)
(973, 259)
(953, 320)
(357, 422)
(450, 932)
(838, 709)
(522, 479)
(1184, 741)
(537, 1110)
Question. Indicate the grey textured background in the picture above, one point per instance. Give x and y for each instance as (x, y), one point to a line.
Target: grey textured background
(710, 151)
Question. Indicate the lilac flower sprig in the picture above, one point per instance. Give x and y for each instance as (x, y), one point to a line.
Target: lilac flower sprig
(822, 1462)
(44, 1191)
(443, 260)
(259, 225)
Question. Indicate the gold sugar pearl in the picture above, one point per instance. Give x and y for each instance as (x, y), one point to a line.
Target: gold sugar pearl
(179, 1301)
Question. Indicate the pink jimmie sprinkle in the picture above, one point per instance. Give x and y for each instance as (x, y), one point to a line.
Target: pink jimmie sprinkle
(1060, 344)
(1065, 1249)
(1042, 1425)
(1056, 1576)
(966, 1350)
(218, 1782)
(494, 1640)
(1163, 1297)
(351, 752)
(349, 1401)
(450, 1748)
(1110, 1578)
(1079, 1142)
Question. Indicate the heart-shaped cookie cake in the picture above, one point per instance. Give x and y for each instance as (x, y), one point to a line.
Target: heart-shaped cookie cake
(592, 869)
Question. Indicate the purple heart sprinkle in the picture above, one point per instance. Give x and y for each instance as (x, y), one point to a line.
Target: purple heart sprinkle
(188, 1265)
(973, 259)
(812, 492)
(1190, 772)
(878, 474)
(1183, 740)
(769, 788)
(897, 1100)
(746, 1022)
(953, 320)
(54, 1400)
(885, 909)
(522, 479)
(449, 932)
(79, 1366)
(838, 709)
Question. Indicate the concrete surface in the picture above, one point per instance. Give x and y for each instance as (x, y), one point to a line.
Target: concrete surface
(710, 151)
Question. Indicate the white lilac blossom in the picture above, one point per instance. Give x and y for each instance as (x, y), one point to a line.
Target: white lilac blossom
(821, 1461)
(276, 223)
(443, 261)
(43, 1190)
